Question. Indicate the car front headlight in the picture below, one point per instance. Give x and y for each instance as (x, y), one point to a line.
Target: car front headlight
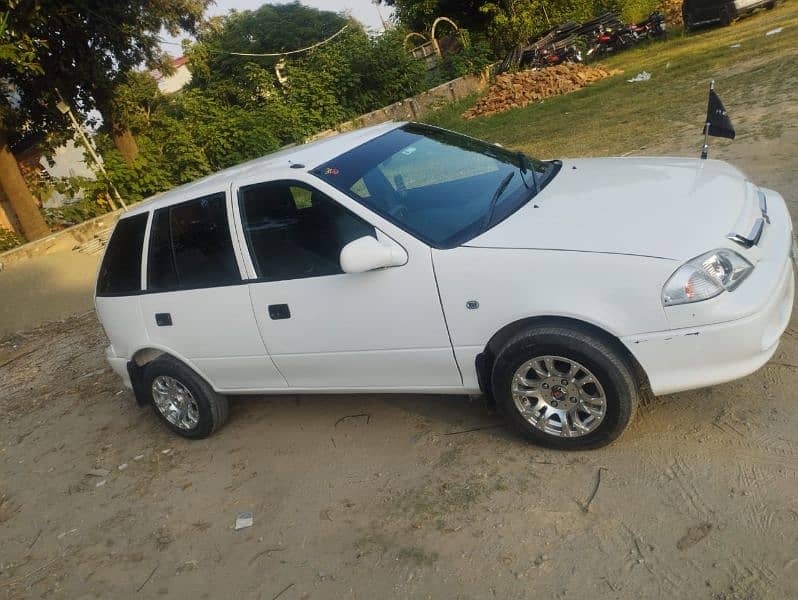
(705, 277)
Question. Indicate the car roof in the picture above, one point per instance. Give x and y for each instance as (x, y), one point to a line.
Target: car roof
(310, 155)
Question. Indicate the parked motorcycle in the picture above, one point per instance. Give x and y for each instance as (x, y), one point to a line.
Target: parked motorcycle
(652, 28)
(580, 42)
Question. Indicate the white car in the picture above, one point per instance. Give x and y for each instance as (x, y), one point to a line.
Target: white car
(407, 258)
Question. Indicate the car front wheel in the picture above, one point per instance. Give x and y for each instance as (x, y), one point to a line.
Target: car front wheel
(182, 399)
(565, 388)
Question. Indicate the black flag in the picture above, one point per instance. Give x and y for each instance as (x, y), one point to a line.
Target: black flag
(718, 122)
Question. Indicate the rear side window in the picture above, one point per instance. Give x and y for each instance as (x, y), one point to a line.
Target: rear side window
(190, 246)
(120, 273)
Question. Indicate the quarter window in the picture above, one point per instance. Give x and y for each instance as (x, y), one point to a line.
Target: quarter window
(190, 246)
(120, 273)
(294, 231)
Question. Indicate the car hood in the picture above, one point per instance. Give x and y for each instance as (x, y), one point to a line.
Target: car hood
(673, 208)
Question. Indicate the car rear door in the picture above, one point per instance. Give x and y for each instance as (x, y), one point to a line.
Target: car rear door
(195, 303)
(324, 328)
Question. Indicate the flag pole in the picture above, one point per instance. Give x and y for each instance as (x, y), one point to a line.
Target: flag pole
(705, 148)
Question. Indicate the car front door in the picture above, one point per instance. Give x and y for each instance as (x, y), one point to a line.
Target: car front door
(323, 328)
(195, 304)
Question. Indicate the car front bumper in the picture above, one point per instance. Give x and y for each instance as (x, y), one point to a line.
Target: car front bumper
(695, 357)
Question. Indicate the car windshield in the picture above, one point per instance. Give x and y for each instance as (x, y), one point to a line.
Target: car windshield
(442, 187)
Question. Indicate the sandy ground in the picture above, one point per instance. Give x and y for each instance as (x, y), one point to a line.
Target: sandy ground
(46, 288)
(397, 497)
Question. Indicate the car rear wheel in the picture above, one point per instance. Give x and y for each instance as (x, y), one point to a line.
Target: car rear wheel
(182, 399)
(565, 388)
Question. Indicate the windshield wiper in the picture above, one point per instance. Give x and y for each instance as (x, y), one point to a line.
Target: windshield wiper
(523, 166)
(496, 195)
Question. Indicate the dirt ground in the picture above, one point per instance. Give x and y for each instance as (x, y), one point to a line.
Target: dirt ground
(399, 496)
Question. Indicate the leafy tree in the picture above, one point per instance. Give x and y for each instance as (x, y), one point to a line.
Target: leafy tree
(351, 74)
(418, 15)
(265, 30)
(19, 60)
(84, 49)
(508, 22)
(235, 108)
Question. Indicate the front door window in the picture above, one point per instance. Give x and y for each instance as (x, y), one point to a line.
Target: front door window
(294, 231)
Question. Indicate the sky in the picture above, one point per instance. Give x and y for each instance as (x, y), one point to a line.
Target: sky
(363, 10)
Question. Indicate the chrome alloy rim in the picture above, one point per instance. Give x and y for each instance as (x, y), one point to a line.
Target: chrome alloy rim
(559, 396)
(175, 402)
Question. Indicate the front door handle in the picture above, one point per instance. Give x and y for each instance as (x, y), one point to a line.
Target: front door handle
(279, 311)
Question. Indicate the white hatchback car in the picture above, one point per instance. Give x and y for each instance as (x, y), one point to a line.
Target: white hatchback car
(407, 258)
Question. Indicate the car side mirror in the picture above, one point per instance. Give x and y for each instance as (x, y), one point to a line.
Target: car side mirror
(367, 253)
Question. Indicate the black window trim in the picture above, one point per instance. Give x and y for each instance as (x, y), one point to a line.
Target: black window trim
(245, 242)
(188, 288)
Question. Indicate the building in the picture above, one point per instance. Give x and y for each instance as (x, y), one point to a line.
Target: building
(175, 82)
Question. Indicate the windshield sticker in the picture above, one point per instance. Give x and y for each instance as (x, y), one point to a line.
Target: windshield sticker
(331, 171)
(408, 151)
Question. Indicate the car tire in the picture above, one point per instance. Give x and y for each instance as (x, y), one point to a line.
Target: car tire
(726, 17)
(595, 414)
(687, 19)
(183, 400)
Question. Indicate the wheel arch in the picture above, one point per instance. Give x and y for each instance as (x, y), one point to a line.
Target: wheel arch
(486, 359)
(145, 355)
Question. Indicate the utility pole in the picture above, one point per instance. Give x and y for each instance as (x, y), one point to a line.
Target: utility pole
(379, 12)
(65, 109)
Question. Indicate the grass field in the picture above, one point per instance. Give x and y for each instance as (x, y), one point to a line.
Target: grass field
(617, 117)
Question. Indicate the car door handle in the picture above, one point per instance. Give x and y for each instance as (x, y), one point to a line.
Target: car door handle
(279, 311)
(163, 319)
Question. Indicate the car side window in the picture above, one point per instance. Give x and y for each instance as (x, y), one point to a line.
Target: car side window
(190, 246)
(120, 273)
(294, 231)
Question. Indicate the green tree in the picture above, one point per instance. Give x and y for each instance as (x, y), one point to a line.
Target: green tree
(84, 49)
(351, 74)
(19, 60)
(418, 15)
(508, 22)
(236, 109)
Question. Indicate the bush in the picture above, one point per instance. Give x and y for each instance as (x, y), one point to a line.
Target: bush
(473, 57)
(8, 239)
(630, 11)
(72, 213)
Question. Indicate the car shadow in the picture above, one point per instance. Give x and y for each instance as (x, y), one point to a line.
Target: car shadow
(438, 414)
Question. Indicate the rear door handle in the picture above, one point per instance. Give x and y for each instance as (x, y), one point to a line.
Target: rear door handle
(279, 311)
(163, 319)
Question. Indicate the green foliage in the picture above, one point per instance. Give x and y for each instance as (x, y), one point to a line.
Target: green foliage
(353, 75)
(235, 109)
(82, 50)
(18, 49)
(75, 212)
(508, 22)
(631, 10)
(8, 239)
(475, 55)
